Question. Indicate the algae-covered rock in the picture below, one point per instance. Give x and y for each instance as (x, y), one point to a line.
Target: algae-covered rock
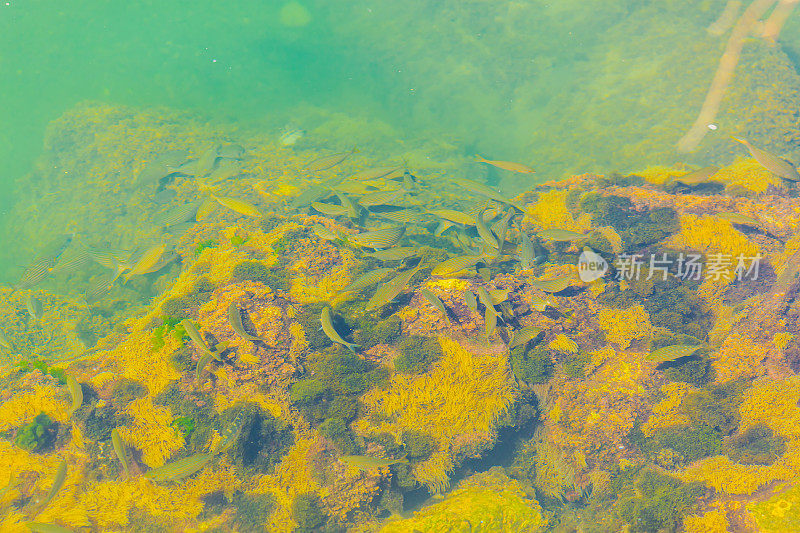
(491, 501)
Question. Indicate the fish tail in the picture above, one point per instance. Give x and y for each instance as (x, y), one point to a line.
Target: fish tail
(479, 159)
(352, 347)
(738, 140)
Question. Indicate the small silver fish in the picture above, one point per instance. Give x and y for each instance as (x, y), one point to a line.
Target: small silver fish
(290, 135)
(34, 306)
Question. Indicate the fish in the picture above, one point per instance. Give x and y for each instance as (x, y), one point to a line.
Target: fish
(164, 195)
(328, 161)
(231, 151)
(98, 288)
(498, 296)
(205, 209)
(58, 481)
(380, 198)
(324, 233)
(231, 432)
(73, 262)
(147, 261)
(4, 342)
(202, 362)
(696, 177)
(179, 469)
(403, 216)
(738, 218)
(235, 320)
(162, 166)
(35, 273)
(75, 392)
(485, 233)
(434, 300)
(366, 462)
(455, 264)
(395, 254)
(451, 215)
(538, 303)
(313, 193)
(506, 165)
(391, 289)
(443, 226)
(373, 173)
(523, 336)
(119, 449)
(777, 165)
(205, 163)
(197, 339)
(471, 301)
(379, 238)
(226, 169)
(34, 306)
(485, 298)
(177, 215)
(560, 235)
(671, 353)
(290, 135)
(484, 190)
(367, 280)
(500, 228)
(327, 327)
(352, 209)
(240, 206)
(490, 317)
(527, 255)
(332, 210)
(46, 527)
(556, 284)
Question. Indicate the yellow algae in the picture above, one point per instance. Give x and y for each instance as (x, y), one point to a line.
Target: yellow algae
(277, 406)
(563, 343)
(710, 522)
(490, 499)
(448, 284)
(773, 403)
(739, 356)
(550, 211)
(299, 341)
(668, 412)
(747, 174)
(153, 368)
(595, 415)
(461, 395)
(658, 175)
(782, 339)
(623, 326)
(718, 238)
(45, 396)
(150, 432)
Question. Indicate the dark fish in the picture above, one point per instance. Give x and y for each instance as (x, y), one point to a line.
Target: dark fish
(327, 327)
(58, 482)
(179, 469)
(395, 254)
(671, 353)
(119, 449)
(380, 198)
(367, 279)
(523, 336)
(471, 301)
(177, 215)
(235, 320)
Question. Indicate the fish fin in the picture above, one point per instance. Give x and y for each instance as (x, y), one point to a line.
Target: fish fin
(738, 140)
(479, 159)
(353, 347)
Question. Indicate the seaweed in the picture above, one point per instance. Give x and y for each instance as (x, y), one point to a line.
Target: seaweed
(252, 510)
(28, 365)
(660, 504)
(335, 430)
(418, 446)
(533, 365)
(372, 332)
(39, 435)
(756, 446)
(307, 512)
(261, 441)
(203, 245)
(417, 353)
(255, 271)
